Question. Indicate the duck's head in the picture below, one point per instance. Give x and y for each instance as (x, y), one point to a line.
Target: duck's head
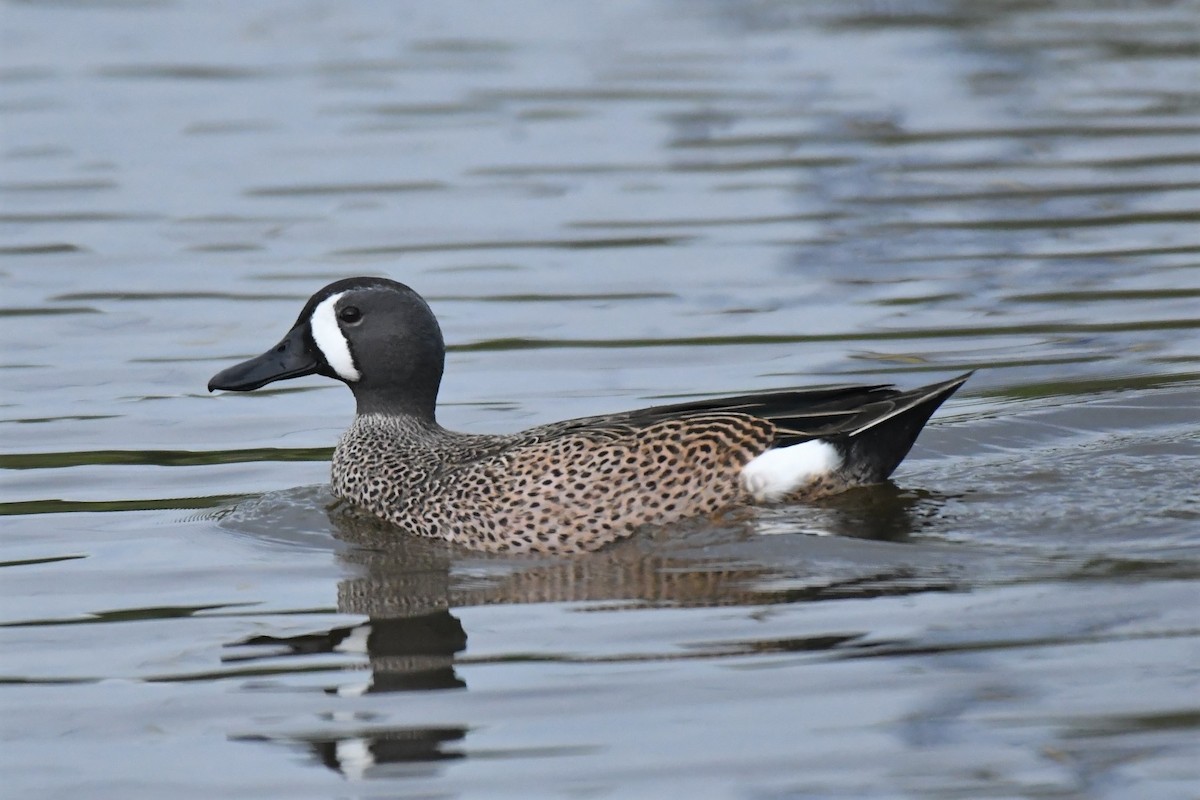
(376, 335)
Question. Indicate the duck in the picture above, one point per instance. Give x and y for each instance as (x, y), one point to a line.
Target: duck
(577, 485)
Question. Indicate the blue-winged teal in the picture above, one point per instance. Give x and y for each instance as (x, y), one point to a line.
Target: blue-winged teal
(568, 486)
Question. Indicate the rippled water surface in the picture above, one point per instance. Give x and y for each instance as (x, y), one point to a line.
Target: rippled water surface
(608, 205)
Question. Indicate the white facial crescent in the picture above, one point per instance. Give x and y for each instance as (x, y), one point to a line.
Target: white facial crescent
(331, 341)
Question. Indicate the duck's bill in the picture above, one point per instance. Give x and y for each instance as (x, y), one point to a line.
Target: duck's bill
(291, 358)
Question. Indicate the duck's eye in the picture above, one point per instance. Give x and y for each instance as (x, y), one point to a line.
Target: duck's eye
(350, 315)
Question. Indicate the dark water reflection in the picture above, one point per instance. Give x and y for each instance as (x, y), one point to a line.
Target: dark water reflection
(412, 640)
(608, 205)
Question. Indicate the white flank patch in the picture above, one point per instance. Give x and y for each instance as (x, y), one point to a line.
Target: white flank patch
(330, 339)
(779, 472)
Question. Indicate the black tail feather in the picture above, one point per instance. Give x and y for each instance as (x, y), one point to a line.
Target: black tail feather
(874, 449)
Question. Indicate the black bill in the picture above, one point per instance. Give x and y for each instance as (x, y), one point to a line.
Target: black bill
(291, 358)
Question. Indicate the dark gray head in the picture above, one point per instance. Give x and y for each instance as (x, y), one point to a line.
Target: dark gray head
(376, 335)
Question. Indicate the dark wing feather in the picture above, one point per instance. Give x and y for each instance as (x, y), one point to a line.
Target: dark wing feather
(873, 427)
(799, 414)
(795, 411)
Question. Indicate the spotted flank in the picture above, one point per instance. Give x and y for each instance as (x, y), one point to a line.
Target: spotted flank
(572, 486)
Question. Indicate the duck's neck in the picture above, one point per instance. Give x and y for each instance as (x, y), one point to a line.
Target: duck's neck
(419, 414)
(404, 384)
(418, 405)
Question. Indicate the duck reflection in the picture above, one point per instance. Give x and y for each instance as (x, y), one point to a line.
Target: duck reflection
(385, 753)
(380, 753)
(406, 589)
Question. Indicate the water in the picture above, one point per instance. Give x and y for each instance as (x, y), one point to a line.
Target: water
(608, 205)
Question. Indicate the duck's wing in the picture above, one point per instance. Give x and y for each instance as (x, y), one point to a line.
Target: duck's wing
(798, 414)
(873, 427)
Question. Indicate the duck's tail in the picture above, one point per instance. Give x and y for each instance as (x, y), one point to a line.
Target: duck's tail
(886, 430)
